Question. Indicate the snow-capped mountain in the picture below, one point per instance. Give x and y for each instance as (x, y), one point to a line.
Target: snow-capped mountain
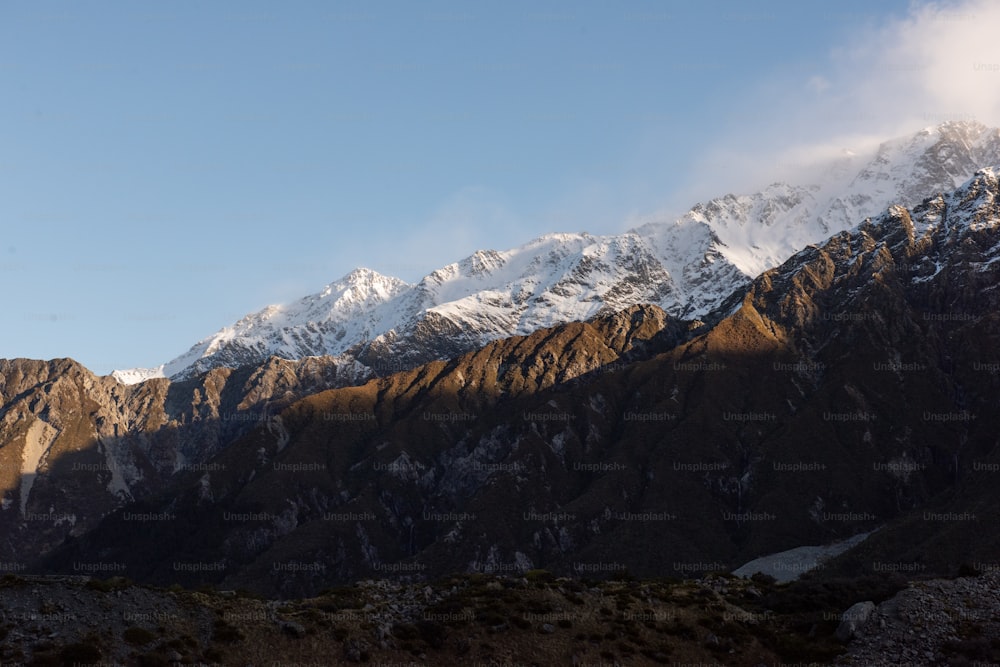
(849, 389)
(389, 325)
(688, 266)
(326, 323)
(718, 246)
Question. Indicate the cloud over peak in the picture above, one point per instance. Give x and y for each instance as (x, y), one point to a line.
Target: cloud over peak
(939, 62)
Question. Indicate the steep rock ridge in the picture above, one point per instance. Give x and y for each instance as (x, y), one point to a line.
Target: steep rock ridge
(375, 325)
(74, 446)
(847, 389)
(409, 411)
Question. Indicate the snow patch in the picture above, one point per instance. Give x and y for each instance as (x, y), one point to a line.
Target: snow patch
(137, 375)
(789, 565)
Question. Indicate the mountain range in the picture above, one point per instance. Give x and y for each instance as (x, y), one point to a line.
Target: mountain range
(850, 389)
(374, 325)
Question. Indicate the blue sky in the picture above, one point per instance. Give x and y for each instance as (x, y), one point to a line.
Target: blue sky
(166, 168)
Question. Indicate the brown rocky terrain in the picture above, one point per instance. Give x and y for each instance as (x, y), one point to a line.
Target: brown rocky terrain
(853, 388)
(478, 619)
(846, 390)
(933, 622)
(74, 446)
(534, 619)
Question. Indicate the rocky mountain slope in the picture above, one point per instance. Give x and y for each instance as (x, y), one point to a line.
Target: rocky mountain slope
(375, 325)
(852, 387)
(74, 446)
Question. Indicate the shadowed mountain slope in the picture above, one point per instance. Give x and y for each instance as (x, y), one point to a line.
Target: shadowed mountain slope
(853, 386)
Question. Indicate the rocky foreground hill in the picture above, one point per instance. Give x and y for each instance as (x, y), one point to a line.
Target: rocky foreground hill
(534, 619)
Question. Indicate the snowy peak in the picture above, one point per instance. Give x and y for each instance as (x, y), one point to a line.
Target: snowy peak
(489, 295)
(325, 323)
(936, 159)
(757, 232)
(688, 267)
(482, 263)
(362, 286)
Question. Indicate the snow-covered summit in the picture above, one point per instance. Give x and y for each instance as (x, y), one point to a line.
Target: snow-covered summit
(757, 232)
(687, 266)
(325, 323)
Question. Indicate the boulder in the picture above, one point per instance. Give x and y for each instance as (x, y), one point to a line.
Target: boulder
(854, 619)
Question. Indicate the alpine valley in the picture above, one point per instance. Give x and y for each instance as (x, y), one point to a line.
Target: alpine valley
(809, 365)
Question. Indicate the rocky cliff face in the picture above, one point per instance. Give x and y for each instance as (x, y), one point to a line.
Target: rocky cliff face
(74, 446)
(852, 387)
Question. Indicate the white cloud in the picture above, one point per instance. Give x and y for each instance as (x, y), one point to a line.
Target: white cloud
(939, 62)
(928, 67)
(469, 219)
(818, 84)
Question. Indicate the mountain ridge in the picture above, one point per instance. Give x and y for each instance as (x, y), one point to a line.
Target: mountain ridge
(838, 393)
(687, 267)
